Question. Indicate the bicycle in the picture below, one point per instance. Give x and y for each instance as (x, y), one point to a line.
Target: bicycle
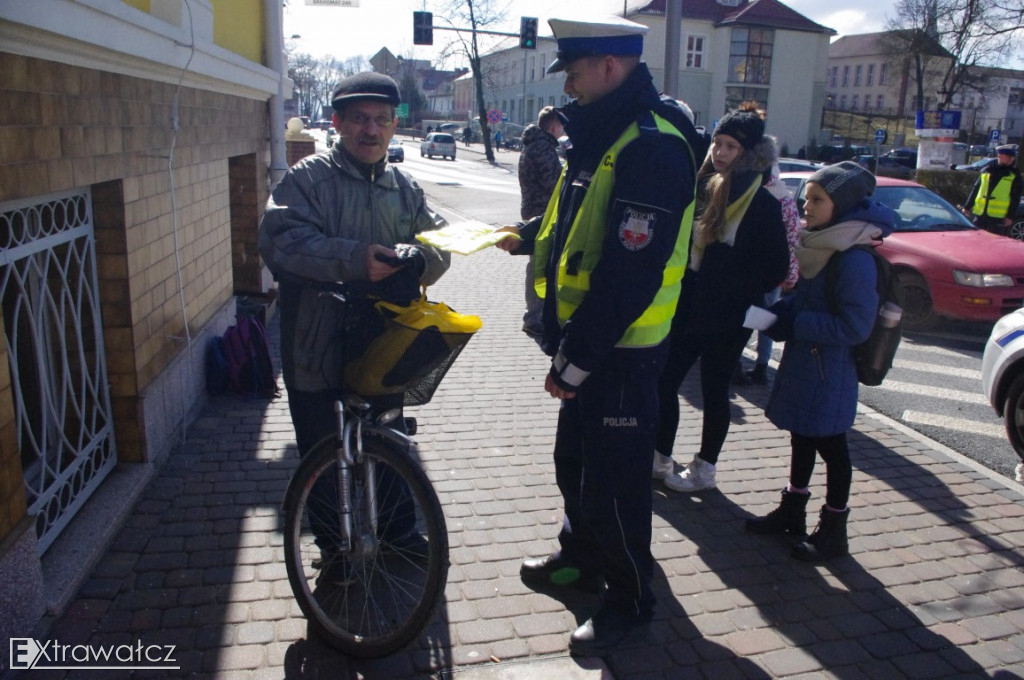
(366, 544)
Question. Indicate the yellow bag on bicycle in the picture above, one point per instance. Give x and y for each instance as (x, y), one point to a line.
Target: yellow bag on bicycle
(418, 345)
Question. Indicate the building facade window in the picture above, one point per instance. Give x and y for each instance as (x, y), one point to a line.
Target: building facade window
(857, 75)
(695, 51)
(882, 73)
(750, 55)
(734, 96)
(846, 76)
(842, 102)
(867, 102)
(856, 102)
(880, 101)
(833, 77)
(871, 75)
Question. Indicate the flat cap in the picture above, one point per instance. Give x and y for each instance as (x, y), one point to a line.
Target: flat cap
(588, 38)
(367, 85)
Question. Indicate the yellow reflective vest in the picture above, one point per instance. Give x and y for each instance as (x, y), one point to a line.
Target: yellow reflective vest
(996, 204)
(586, 236)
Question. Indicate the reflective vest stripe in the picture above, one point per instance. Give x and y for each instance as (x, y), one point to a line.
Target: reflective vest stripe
(998, 203)
(584, 245)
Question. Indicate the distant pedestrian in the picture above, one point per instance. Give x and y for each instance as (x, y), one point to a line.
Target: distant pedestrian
(539, 169)
(497, 139)
(739, 253)
(996, 194)
(815, 390)
(467, 135)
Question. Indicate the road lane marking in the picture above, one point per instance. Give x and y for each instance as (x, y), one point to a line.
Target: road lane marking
(958, 424)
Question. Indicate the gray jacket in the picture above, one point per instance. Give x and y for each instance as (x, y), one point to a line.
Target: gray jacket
(317, 227)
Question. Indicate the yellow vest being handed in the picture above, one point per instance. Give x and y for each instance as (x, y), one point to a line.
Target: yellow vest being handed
(998, 204)
(584, 244)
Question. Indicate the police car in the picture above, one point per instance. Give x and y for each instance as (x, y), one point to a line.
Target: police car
(1002, 378)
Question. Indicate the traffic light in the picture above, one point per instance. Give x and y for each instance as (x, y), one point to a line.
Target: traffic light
(528, 33)
(422, 28)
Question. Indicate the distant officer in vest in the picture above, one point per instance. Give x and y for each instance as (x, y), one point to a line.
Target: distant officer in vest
(609, 254)
(995, 196)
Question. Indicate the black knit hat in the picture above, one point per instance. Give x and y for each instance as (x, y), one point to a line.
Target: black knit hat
(846, 183)
(362, 86)
(746, 127)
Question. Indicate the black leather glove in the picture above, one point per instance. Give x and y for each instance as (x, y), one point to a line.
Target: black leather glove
(782, 329)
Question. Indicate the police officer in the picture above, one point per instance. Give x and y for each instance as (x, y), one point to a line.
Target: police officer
(994, 198)
(609, 254)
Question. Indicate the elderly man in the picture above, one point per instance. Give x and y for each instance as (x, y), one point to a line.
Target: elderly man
(609, 254)
(344, 215)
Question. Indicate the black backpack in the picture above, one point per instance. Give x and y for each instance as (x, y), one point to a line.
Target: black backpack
(874, 356)
(250, 371)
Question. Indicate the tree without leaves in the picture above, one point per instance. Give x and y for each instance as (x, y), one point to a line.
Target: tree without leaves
(944, 41)
(315, 78)
(473, 15)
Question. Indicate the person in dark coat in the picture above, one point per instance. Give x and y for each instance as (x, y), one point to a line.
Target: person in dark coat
(815, 390)
(739, 252)
(539, 168)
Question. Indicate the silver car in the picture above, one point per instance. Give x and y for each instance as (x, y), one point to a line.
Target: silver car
(1002, 378)
(438, 144)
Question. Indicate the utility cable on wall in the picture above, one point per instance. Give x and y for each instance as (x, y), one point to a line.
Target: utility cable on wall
(175, 125)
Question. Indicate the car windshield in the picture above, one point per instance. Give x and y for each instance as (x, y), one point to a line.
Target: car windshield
(920, 209)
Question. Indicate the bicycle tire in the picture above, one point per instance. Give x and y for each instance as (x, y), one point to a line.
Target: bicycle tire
(391, 596)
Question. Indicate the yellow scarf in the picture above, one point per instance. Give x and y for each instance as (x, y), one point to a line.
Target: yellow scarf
(734, 213)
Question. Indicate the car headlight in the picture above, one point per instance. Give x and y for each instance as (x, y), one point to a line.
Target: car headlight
(976, 280)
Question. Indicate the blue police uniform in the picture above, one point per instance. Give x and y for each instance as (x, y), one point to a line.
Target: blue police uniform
(605, 439)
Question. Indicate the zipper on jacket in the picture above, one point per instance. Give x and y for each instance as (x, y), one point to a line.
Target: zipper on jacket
(817, 360)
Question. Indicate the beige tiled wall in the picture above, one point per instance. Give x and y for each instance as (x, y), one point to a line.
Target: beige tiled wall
(63, 127)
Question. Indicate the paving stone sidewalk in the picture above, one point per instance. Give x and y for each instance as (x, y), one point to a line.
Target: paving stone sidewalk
(934, 587)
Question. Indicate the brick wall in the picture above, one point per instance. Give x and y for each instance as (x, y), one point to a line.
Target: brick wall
(63, 127)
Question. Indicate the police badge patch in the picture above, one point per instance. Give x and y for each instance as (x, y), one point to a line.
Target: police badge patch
(637, 229)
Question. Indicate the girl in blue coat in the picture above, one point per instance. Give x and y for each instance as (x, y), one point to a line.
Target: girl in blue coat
(815, 390)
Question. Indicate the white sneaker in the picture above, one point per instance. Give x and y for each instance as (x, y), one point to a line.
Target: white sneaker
(664, 466)
(699, 475)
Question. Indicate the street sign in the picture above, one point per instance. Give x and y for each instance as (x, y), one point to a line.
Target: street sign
(402, 110)
(504, 117)
(493, 116)
(994, 135)
(880, 135)
(334, 3)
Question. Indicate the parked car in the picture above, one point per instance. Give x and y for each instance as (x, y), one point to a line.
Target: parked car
(904, 156)
(1002, 378)
(976, 166)
(948, 267)
(396, 154)
(438, 144)
(797, 165)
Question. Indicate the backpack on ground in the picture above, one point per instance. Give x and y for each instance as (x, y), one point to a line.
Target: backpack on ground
(250, 371)
(218, 368)
(874, 356)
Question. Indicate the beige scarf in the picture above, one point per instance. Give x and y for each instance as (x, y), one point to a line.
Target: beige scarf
(816, 247)
(734, 213)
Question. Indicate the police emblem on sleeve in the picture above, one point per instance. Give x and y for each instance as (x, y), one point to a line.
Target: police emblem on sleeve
(637, 229)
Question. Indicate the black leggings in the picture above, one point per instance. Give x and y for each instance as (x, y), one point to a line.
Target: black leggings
(838, 469)
(718, 354)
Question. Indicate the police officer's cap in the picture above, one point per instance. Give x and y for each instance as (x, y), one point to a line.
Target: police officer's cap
(1007, 150)
(610, 35)
(365, 86)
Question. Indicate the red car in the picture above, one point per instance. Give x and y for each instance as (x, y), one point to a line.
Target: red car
(948, 267)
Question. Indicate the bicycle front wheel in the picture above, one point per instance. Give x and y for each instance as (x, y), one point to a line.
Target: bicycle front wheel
(373, 597)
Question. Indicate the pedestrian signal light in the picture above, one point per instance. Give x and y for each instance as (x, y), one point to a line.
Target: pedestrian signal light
(422, 28)
(528, 33)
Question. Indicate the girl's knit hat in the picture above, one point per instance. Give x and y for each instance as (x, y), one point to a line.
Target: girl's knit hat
(846, 183)
(745, 126)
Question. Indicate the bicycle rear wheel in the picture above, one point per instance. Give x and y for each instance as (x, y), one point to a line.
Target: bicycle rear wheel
(374, 598)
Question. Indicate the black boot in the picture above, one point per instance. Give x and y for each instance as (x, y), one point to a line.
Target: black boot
(739, 376)
(828, 540)
(759, 374)
(789, 518)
